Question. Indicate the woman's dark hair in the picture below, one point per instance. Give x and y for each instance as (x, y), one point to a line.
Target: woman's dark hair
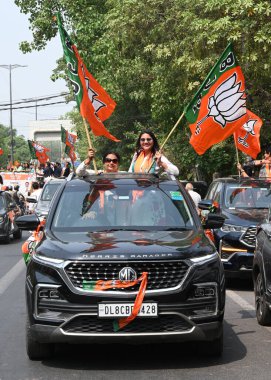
(155, 146)
(268, 149)
(111, 152)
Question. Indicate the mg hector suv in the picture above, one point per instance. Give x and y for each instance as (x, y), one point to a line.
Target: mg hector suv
(123, 258)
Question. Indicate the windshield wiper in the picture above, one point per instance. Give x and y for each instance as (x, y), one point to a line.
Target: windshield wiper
(177, 229)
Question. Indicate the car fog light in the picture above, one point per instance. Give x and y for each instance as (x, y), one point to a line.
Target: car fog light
(204, 292)
(49, 293)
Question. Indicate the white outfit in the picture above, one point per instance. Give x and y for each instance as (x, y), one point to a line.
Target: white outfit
(83, 169)
(35, 194)
(195, 197)
(171, 169)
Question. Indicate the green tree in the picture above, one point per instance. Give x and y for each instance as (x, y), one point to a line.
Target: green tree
(152, 55)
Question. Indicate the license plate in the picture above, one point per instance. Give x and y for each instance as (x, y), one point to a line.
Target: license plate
(108, 310)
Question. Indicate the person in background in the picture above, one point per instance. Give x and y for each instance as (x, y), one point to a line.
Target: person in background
(66, 170)
(265, 165)
(35, 193)
(111, 162)
(48, 171)
(148, 158)
(57, 170)
(193, 194)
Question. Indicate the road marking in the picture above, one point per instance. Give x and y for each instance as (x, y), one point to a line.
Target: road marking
(11, 275)
(241, 302)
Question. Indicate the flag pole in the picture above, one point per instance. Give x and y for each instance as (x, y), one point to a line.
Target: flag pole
(237, 156)
(166, 139)
(90, 144)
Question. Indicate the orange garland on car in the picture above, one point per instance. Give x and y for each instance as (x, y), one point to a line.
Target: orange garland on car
(104, 285)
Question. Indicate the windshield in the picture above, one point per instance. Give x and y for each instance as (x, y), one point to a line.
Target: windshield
(121, 208)
(247, 196)
(49, 191)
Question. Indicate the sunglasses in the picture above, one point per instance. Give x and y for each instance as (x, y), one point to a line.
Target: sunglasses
(113, 160)
(148, 139)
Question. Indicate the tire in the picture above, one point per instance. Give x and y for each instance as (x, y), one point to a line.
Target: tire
(17, 234)
(7, 237)
(263, 313)
(36, 350)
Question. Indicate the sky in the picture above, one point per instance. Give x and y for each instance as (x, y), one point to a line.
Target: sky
(32, 81)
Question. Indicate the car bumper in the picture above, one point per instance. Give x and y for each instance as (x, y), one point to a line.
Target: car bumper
(239, 264)
(59, 334)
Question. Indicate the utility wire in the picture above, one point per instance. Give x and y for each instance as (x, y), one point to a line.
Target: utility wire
(35, 106)
(31, 100)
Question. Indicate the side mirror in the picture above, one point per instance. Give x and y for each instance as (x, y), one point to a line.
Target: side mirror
(31, 200)
(213, 221)
(28, 222)
(205, 204)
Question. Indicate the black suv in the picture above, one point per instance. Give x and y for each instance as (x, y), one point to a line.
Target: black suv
(244, 203)
(8, 226)
(262, 273)
(116, 228)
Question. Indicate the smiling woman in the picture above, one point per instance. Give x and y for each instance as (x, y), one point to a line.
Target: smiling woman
(148, 158)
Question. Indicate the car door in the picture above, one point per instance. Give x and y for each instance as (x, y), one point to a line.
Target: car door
(11, 206)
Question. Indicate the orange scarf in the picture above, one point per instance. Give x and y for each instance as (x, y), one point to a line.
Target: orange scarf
(143, 163)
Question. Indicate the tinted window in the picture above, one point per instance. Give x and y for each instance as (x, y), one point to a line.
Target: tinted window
(121, 207)
(238, 196)
(49, 191)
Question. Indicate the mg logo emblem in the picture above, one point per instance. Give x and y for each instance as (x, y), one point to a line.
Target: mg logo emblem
(127, 274)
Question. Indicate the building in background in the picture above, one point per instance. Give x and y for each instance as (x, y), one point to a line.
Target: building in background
(48, 133)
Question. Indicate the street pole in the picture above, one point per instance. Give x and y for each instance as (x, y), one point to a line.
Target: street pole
(10, 68)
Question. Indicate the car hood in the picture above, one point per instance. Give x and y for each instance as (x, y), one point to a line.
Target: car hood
(126, 245)
(245, 217)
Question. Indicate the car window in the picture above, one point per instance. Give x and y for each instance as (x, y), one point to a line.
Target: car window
(210, 194)
(217, 193)
(238, 196)
(121, 208)
(49, 191)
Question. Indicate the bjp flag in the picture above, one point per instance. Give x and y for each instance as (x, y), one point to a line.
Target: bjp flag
(219, 106)
(247, 137)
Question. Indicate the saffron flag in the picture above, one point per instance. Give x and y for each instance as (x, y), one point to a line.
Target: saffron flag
(1, 151)
(38, 151)
(69, 140)
(219, 106)
(247, 137)
(94, 103)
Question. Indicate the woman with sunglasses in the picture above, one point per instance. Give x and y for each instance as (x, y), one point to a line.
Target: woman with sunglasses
(148, 158)
(110, 162)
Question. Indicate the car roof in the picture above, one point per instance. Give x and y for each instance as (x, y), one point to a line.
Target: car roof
(243, 180)
(124, 178)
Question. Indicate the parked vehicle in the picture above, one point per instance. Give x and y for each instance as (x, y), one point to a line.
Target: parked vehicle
(48, 191)
(106, 238)
(244, 203)
(8, 215)
(262, 274)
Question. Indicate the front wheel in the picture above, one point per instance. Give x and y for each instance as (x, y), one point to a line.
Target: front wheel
(36, 350)
(263, 313)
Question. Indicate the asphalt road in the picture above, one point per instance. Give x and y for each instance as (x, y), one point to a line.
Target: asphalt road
(246, 345)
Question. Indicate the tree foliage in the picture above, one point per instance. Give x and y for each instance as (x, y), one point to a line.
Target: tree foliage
(152, 55)
(21, 150)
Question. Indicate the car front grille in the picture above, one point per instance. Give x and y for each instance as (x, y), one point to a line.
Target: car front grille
(88, 324)
(249, 237)
(161, 275)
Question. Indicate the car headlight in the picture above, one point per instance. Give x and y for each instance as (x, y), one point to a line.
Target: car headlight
(232, 228)
(204, 259)
(46, 260)
(1, 219)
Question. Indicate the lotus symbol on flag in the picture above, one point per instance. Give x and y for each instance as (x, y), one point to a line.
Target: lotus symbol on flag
(38, 148)
(227, 103)
(249, 128)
